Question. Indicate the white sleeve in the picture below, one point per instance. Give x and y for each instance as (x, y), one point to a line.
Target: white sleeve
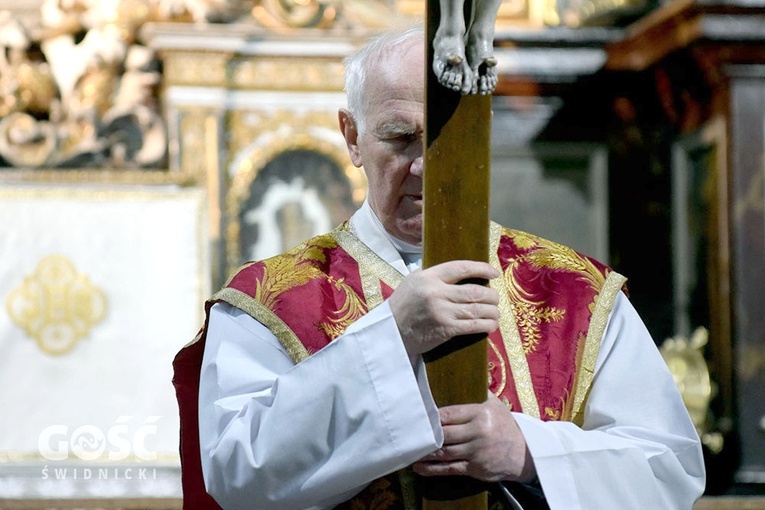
(637, 447)
(274, 435)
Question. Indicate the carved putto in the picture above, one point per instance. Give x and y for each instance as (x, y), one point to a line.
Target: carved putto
(79, 89)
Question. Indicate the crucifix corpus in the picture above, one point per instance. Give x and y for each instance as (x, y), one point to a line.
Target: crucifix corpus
(461, 76)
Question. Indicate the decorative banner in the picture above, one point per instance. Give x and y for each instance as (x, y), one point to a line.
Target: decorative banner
(99, 288)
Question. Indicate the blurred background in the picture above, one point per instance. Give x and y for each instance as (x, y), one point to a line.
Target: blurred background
(149, 147)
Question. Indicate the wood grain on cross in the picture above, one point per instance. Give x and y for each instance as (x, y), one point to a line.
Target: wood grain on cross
(456, 226)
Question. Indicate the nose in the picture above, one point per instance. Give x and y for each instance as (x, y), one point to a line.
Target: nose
(417, 166)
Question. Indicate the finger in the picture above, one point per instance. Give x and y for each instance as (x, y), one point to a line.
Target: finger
(458, 440)
(460, 428)
(475, 311)
(457, 308)
(458, 414)
(440, 468)
(456, 271)
(471, 327)
(470, 318)
(450, 453)
(473, 293)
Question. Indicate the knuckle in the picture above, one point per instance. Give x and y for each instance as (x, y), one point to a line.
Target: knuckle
(463, 269)
(457, 468)
(474, 311)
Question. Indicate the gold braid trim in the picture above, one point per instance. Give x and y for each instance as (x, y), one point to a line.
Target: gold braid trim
(510, 334)
(370, 263)
(286, 336)
(502, 370)
(604, 302)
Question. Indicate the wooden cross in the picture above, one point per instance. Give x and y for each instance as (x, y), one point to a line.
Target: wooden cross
(456, 226)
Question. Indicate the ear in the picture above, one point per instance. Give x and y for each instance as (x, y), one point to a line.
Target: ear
(351, 135)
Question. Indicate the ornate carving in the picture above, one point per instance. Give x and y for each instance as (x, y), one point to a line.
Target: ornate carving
(200, 11)
(57, 306)
(201, 68)
(296, 13)
(78, 90)
(326, 14)
(192, 142)
(289, 74)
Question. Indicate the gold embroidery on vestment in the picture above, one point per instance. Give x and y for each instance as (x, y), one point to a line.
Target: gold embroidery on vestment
(502, 369)
(370, 283)
(296, 268)
(544, 254)
(510, 334)
(529, 316)
(552, 255)
(604, 302)
(371, 288)
(353, 308)
(368, 260)
(292, 269)
(269, 319)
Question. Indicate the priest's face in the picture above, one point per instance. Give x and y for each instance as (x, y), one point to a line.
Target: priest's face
(390, 145)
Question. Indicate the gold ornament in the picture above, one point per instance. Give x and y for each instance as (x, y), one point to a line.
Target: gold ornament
(57, 305)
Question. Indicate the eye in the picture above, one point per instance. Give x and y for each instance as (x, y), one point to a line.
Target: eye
(403, 138)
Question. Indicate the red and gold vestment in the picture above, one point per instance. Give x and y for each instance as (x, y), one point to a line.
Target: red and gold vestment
(554, 306)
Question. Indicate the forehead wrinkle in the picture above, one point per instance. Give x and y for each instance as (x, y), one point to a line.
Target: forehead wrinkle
(396, 114)
(395, 102)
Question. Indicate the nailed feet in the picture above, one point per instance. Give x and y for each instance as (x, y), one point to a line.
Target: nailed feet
(468, 69)
(450, 64)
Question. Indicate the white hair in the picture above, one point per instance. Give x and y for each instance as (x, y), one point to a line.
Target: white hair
(358, 65)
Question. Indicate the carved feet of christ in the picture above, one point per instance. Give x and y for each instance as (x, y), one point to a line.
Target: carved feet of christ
(463, 58)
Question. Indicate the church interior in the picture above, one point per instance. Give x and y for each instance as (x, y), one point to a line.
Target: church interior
(150, 147)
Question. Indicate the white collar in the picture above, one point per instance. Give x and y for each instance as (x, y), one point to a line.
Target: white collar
(403, 256)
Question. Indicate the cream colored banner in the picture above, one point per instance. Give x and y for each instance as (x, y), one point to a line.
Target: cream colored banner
(99, 288)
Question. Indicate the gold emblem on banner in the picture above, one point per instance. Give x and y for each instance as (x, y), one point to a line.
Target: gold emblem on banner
(56, 305)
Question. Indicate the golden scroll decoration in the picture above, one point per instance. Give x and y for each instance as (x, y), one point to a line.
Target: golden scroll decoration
(56, 305)
(686, 362)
